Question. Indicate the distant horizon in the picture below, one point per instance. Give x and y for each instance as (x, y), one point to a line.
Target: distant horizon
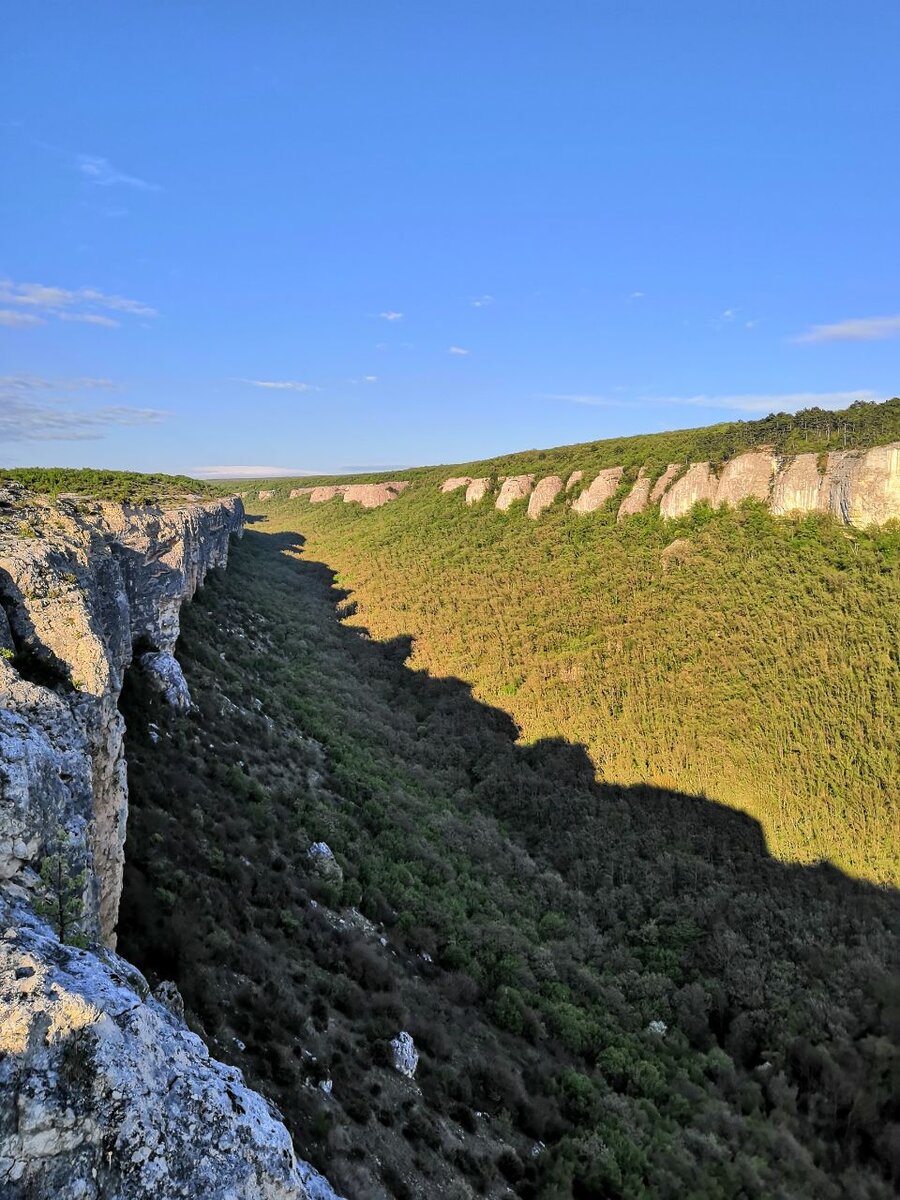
(258, 472)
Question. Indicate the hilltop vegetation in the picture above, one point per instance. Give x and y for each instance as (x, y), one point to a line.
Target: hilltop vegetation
(748, 658)
(123, 487)
(812, 430)
(620, 974)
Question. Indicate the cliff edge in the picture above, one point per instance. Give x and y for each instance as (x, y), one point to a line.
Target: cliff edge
(104, 1092)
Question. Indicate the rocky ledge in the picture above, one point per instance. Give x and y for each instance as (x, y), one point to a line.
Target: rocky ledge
(84, 586)
(105, 1094)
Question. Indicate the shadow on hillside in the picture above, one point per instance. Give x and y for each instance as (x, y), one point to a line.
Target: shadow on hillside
(546, 793)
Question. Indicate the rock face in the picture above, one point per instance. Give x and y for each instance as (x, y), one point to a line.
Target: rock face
(696, 484)
(322, 857)
(373, 495)
(661, 485)
(543, 495)
(515, 487)
(296, 493)
(638, 498)
(477, 490)
(598, 492)
(858, 487)
(163, 671)
(406, 1056)
(748, 476)
(369, 495)
(266, 495)
(106, 1095)
(81, 586)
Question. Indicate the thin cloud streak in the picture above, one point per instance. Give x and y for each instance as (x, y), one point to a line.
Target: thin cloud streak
(238, 471)
(19, 320)
(457, 350)
(282, 385)
(856, 329)
(40, 300)
(101, 172)
(391, 316)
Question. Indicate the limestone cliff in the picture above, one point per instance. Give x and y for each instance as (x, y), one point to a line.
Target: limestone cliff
(858, 487)
(82, 585)
(106, 1095)
(104, 1092)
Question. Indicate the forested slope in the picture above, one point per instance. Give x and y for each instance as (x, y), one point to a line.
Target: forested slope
(748, 658)
(615, 990)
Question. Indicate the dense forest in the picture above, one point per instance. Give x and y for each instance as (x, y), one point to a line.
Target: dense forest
(748, 658)
(615, 990)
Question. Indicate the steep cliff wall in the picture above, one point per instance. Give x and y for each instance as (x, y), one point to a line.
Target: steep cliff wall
(104, 1092)
(858, 487)
(81, 586)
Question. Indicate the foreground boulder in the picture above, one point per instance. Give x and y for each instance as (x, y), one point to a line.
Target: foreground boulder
(106, 1095)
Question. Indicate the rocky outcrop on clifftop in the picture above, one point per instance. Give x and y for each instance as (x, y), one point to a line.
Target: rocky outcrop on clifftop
(106, 1095)
(368, 495)
(858, 487)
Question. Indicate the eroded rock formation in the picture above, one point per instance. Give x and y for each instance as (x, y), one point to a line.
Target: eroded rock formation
(858, 487)
(369, 495)
(598, 492)
(82, 585)
(514, 487)
(477, 490)
(544, 494)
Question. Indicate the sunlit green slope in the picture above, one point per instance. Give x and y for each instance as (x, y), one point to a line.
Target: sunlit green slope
(755, 663)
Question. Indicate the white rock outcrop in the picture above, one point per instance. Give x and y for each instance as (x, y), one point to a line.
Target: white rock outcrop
(599, 491)
(405, 1054)
(545, 492)
(105, 1093)
(514, 487)
(477, 490)
(368, 495)
(858, 487)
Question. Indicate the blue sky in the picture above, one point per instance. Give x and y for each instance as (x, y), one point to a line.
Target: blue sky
(341, 234)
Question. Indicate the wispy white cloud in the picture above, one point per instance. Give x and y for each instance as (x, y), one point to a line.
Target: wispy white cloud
(391, 316)
(855, 329)
(29, 413)
(282, 385)
(101, 172)
(482, 301)
(19, 320)
(635, 296)
(239, 471)
(370, 378)
(457, 350)
(37, 301)
(90, 319)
